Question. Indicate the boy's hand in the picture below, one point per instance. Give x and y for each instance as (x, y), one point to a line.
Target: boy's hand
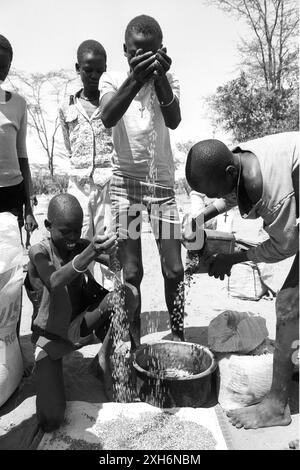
(162, 62)
(143, 65)
(30, 223)
(220, 265)
(187, 229)
(104, 244)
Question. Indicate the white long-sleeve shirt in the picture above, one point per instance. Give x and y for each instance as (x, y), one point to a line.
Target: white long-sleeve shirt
(278, 157)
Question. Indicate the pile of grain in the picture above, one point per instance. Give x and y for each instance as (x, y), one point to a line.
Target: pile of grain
(163, 431)
(173, 373)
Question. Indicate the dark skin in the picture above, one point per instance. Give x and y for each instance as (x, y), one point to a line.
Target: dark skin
(273, 410)
(65, 232)
(90, 69)
(148, 60)
(251, 183)
(30, 222)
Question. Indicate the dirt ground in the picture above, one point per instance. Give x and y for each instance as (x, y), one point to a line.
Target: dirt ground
(205, 299)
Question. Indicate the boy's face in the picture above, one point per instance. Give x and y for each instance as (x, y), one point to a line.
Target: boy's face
(91, 67)
(5, 62)
(137, 41)
(65, 232)
(213, 187)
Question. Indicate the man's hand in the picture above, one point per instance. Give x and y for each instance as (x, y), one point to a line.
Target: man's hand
(220, 265)
(143, 65)
(30, 223)
(162, 62)
(192, 232)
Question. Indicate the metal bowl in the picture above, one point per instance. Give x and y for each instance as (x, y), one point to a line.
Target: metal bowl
(150, 360)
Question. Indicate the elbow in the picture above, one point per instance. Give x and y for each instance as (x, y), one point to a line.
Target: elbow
(107, 120)
(174, 123)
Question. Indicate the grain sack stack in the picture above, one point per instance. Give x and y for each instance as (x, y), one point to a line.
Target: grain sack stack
(11, 279)
(244, 355)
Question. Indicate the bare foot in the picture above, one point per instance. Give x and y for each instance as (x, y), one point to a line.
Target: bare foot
(294, 445)
(100, 369)
(267, 413)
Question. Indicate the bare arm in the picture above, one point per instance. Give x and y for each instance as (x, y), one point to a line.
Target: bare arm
(114, 105)
(53, 278)
(169, 103)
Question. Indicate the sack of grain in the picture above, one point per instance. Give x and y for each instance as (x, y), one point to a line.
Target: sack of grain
(243, 380)
(11, 279)
(245, 282)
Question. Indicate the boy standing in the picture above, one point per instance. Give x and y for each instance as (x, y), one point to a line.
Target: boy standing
(141, 106)
(88, 143)
(262, 176)
(69, 304)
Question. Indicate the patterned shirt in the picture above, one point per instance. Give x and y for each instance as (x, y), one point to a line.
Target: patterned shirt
(88, 143)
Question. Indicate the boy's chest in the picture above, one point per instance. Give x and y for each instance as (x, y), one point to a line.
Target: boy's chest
(89, 107)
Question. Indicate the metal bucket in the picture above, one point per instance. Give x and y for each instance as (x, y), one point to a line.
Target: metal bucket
(193, 390)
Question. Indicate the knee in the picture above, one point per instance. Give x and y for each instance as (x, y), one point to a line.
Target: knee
(287, 304)
(132, 299)
(133, 274)
(174, 272)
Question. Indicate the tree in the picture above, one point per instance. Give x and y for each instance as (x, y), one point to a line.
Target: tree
(248, 111)
(271, 50)
(43, 92)
(264, 98)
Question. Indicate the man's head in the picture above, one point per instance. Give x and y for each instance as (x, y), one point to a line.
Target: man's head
(211, 168)
(6, 55)
(91, 63)
(64, 221)
(142, 32)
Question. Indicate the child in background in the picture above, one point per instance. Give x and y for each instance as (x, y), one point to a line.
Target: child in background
(141, 106)
(15, 177)
(69, 304)
(89, 145)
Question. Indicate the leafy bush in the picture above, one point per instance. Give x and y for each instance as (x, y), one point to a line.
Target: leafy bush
(42, 183)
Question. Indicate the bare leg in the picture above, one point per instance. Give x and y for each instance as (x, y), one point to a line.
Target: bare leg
(50, 394)
(172, 269)
(273, 409)
(131, 260)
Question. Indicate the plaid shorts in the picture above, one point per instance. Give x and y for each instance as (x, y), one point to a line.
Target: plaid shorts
(130, 197)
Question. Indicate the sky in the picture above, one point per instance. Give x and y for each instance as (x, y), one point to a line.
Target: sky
(201, 40)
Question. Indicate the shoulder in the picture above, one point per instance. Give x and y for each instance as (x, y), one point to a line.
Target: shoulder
(41, 248)
(18, 101)
(66, 103)
(113, 78)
